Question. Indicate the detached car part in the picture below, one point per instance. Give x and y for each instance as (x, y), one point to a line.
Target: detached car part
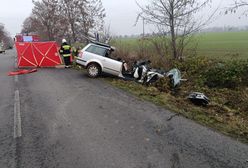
(175, 77)
(199, 98)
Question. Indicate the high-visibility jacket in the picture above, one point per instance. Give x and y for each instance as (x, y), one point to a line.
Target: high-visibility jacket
(65, 50)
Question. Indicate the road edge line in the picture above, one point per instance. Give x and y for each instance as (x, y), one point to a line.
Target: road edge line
(17, 116)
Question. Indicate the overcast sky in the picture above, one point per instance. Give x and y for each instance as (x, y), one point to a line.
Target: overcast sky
(121, 15)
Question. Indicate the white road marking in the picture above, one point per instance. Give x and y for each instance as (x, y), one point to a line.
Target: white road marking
(17, 116)
(16, 66)
(16, 79)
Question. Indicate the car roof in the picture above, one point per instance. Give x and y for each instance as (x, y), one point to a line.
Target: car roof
(102, 45)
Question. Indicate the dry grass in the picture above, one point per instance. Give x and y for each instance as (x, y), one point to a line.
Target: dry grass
(232, 121)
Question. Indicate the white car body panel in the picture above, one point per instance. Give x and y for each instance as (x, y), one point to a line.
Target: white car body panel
(108, 65)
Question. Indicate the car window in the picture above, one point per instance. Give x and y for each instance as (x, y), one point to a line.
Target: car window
(96, 50)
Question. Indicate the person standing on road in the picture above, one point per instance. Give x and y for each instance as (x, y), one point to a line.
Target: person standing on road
(65, 51)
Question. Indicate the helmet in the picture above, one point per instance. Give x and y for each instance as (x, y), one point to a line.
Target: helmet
(64, 41)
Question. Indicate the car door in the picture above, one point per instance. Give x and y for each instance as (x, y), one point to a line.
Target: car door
(111, 66)
(100, 53)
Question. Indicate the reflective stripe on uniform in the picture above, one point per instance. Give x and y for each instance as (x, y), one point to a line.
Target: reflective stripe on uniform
(66, 55)
(66, 47)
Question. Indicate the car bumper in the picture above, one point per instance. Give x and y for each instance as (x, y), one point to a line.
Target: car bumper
(81, 62)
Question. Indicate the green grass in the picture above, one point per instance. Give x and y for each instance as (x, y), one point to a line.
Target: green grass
(227, 45)
(224, 45)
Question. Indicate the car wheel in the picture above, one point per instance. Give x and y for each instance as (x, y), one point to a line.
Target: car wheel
(93, 70)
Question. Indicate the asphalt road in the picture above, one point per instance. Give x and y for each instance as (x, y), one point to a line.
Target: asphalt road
(67, 120)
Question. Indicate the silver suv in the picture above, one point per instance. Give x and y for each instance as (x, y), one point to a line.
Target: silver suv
(95, 57)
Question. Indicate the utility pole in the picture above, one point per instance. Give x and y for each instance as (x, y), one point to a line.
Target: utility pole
(143, 28)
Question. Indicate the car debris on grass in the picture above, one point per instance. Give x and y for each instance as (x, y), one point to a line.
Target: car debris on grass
(168, 91)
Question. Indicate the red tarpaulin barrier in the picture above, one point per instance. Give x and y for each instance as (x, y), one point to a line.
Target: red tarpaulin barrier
(38, 54)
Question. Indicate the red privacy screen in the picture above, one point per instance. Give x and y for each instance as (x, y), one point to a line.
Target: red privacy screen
(38, 54)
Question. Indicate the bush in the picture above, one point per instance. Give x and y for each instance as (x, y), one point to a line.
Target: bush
(193, 65)
(163, 85)
(132, 50)
(230, 74)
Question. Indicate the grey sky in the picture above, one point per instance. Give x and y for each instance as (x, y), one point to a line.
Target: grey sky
(121, 15)
(13, 13)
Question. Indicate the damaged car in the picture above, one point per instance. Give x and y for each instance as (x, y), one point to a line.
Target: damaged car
(96, 58)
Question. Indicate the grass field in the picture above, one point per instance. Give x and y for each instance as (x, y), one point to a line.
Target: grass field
(224, 45)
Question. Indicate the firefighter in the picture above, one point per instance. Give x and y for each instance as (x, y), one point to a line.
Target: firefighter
(65, 51)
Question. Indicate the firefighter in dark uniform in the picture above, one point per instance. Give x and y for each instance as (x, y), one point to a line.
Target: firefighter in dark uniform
(65, 51)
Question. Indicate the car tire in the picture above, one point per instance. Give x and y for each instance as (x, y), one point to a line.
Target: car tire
(93, 70)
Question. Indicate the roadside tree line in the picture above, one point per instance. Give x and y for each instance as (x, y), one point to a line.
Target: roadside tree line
(5, 37)
(177, 21)
(70, 19)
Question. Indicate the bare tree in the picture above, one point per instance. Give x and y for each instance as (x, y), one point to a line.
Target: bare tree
(175, 18)
(97, 14)
(106, 34)
(91, 17)
(5, 37)
(46, 15)
(71, 19)
(28, 25)
(70, 9)
(2, 32)
(236, 5)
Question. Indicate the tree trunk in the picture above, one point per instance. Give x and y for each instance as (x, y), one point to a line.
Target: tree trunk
(73, 32)
(173, 36)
